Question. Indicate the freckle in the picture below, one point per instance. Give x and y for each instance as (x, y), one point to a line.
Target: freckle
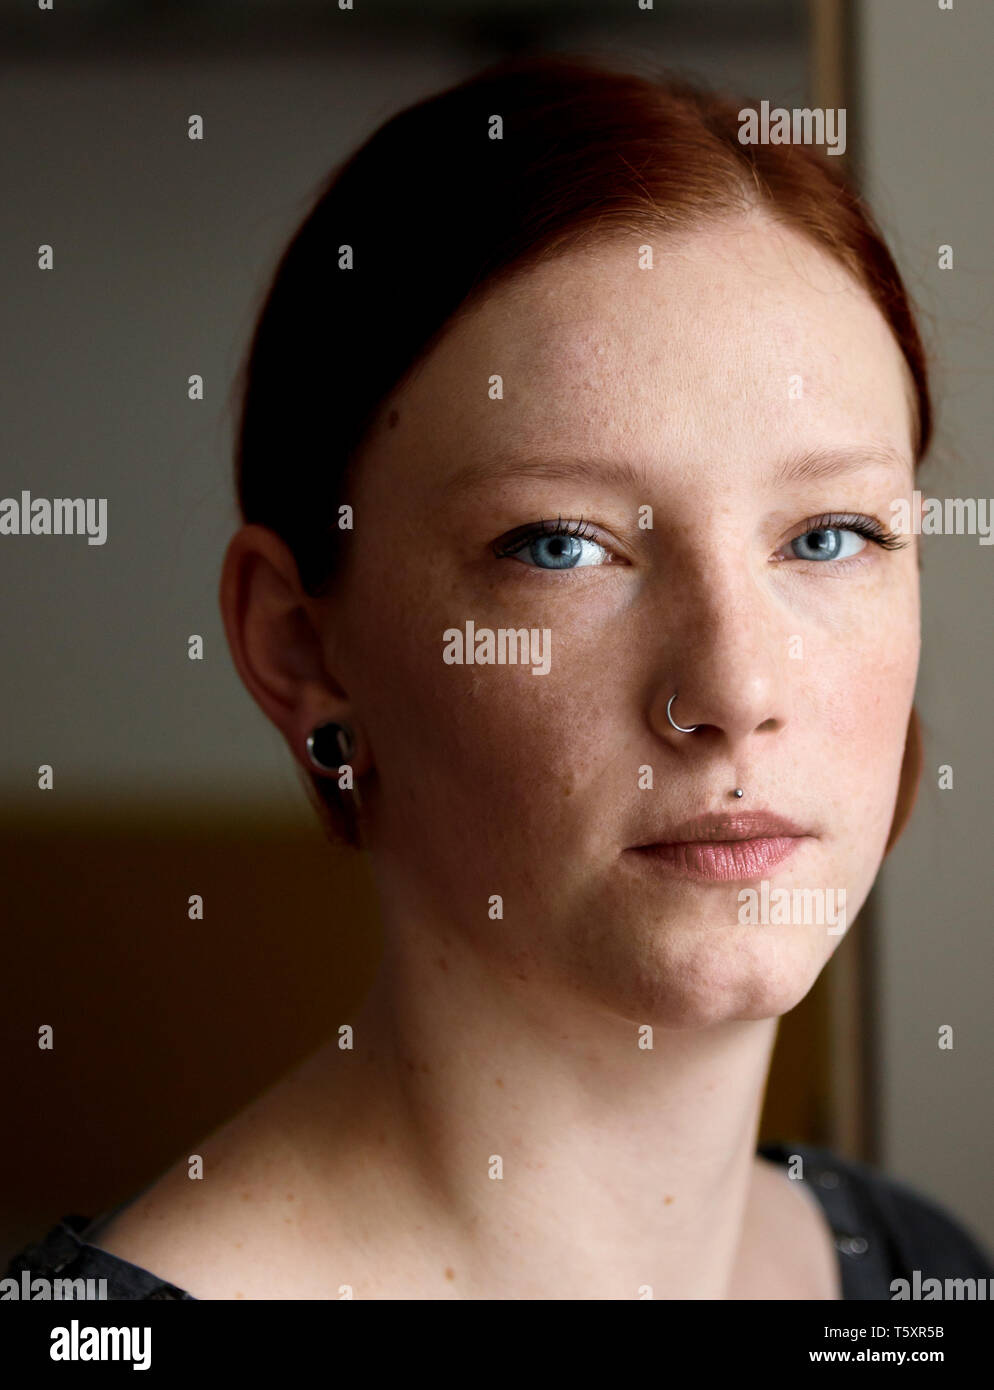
(499, 1082)
(450, 1274)
(392, 418)
(246, 1196)
(288, 1221)
(239, 1295)
(442, 963)
(521, 977)
(289, 1196)
(666, 1201)
(238, 1245)
(382, 1138)
(409, 1065)
(426, 1068)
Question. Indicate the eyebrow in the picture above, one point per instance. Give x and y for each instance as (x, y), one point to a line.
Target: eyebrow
(808, 466)
(830, 463)
(582, 469)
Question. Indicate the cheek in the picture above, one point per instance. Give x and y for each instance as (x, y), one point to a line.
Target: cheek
(483, 740)
(459, 747)
(865, 693)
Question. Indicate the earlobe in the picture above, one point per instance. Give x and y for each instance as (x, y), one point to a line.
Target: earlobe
(330, 750)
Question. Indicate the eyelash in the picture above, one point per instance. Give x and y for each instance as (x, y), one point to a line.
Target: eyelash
(519, 539)
(866, 526)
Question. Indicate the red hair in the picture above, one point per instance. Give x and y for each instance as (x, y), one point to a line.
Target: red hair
(434, 212)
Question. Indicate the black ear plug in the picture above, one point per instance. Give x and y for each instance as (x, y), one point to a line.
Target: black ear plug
(329, 746)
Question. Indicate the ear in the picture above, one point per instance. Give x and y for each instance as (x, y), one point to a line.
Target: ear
(279, 640)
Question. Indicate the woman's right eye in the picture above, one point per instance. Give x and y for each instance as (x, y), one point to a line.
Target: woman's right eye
(561, 546)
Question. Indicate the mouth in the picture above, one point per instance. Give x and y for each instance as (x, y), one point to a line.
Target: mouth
(723, 848)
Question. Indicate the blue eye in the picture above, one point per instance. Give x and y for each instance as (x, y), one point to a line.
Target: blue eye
(566, 545)
(839, 537)
(554, 546)
(829, 543)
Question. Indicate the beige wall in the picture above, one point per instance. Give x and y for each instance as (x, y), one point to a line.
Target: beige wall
(925, 140)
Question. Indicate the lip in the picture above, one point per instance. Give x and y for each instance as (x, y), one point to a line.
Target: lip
(719, 848)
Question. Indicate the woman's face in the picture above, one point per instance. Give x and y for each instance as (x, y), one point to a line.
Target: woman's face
(691, 389)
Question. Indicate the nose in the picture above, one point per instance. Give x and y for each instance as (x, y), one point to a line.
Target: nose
(726, 666)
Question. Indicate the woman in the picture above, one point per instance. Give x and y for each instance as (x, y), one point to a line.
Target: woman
(571, 431)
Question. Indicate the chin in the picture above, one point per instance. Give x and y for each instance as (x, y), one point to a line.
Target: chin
(699, 978)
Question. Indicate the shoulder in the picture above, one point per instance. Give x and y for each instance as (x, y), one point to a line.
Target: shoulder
(884, 1224)
(190, 1234)
(210, 1230)
(235, 1217)
(63, 1265)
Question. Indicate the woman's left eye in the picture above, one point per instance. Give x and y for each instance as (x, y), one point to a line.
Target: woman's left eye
(554, 546)
(841, 537)
(828, 543)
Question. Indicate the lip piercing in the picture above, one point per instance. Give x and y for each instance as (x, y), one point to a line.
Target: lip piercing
(673, 721)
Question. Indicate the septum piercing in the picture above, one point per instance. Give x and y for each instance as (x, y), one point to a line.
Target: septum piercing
(738, 790)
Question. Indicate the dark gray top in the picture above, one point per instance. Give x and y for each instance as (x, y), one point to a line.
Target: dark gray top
(883, 1229)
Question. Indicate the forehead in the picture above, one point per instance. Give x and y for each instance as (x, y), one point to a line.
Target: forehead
(742, 339)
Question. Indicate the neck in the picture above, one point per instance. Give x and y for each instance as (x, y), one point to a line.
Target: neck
(530, 1140)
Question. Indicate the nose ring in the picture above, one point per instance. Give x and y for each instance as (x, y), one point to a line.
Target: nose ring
(738, 790)
(673, 721)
